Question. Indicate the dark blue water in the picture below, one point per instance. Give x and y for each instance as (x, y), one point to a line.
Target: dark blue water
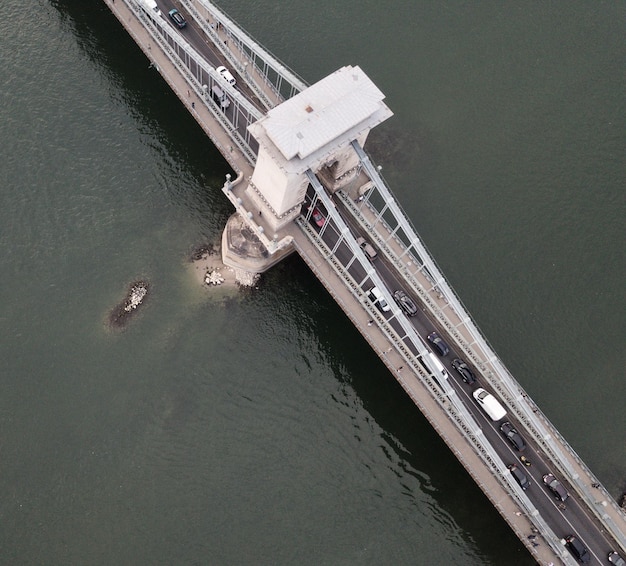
(238, 428)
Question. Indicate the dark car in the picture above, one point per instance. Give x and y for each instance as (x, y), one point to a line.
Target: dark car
(520, 476)
(318, 218)
(438, 343)
(514, 437)
(177, 18)
(616, 559)
(405, 302)
(556, 487)
(578, 549)
(464, 371)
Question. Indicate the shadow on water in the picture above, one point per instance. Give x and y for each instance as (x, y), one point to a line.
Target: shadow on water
(400, 148)
(409, 442)
(171, 132)
(411, 445)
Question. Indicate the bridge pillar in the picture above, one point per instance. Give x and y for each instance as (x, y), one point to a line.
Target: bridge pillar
(313, 130)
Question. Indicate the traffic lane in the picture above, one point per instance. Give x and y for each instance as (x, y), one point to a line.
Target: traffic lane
(195, 36)
(575, 521)
(572, 519)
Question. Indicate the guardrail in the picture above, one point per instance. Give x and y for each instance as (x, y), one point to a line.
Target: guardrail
(502, 381)
(253, 52)
(181, 55)
(454, 409)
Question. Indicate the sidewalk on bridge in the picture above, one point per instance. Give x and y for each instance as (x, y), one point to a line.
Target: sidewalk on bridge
(191, 100)
(430, 408)
(350, 305)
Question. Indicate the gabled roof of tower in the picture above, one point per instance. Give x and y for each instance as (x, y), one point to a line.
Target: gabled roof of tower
(323, 112)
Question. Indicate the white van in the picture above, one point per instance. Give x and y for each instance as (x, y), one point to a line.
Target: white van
(151, 7)
(440, 372)
(489, 404)
(377, 298)
(220, 97)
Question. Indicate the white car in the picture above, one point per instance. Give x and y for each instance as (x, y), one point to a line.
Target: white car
(377, 298)
(226, 75)
(489, 404)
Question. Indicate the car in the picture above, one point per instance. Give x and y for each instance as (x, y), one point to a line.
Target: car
(318, 218)
(556, 487)
(489, 404)
(369, 250)
(218, 95)
(463, 370)
(405, 302)
(615, 558)
(520, 476)
(377, 298)
(177, 18)
(438, 343)
(433, 366)
(226, 75)
(578, 549)
(514, 437)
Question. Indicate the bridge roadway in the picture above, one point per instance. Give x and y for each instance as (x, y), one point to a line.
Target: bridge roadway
(578, 516)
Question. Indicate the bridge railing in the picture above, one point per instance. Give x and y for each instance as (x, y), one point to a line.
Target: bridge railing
(199, 75)
(277, 76)
(494, 370)
(447, 401)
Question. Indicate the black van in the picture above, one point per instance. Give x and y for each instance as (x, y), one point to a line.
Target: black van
(578, 549)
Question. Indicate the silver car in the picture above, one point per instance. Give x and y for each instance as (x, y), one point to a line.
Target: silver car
(405, 302)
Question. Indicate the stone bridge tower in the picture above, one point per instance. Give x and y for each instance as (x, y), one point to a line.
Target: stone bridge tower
(312, 130)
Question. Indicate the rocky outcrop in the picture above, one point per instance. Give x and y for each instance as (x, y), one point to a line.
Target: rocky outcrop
(213, 277)
(135, 298)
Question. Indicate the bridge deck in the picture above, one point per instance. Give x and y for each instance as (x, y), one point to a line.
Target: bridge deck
(379, 340)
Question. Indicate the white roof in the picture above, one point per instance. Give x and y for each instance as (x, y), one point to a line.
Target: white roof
(323, 112)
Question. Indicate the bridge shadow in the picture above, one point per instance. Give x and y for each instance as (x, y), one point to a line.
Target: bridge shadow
(413, 449)
(180, 147)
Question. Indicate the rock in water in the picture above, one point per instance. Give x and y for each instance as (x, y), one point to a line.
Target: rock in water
(213, 277)
(137, 293)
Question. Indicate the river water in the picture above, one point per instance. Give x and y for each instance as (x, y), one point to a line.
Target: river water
(257, 427)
